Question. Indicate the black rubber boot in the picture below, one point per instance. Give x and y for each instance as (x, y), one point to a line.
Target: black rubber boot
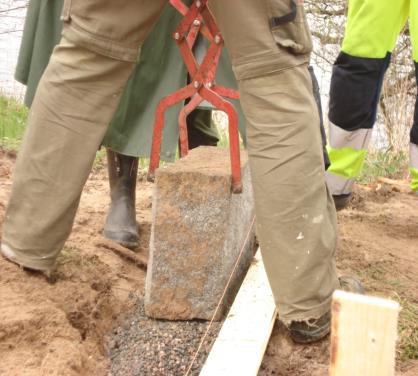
(342, 201)
(314, 330)
(121, 224)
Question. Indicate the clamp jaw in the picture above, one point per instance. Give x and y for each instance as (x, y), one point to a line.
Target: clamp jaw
(198, 20)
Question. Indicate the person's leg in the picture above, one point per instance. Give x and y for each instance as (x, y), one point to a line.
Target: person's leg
(295, 215)
(371, 33)
(73, 106)
(200, 128)
(413, 27)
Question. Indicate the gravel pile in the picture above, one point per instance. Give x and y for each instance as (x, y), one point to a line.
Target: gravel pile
(143, 347)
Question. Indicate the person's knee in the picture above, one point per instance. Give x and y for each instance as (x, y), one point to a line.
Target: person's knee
(355, 90)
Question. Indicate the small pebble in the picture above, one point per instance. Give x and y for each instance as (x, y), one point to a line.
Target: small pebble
(152, 347)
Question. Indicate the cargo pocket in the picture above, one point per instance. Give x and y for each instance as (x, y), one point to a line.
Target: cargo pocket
(289, 26)
(66, 11)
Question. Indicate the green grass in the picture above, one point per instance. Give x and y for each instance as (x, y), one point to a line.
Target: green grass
(224, 139)
(383, 163)
(408, 329)
(13, 117)
(100, 160)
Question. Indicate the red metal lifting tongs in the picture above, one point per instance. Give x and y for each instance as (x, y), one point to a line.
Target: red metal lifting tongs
(198, 19)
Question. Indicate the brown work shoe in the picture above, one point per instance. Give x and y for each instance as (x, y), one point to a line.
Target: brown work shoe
(314, 330)
(310, 331)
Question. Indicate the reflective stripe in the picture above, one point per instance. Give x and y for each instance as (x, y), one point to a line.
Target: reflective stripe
(414, 179)
(340, 138)
(347, 151)
(413, 28)
(338, 185)
(346, 162)
(413, 154)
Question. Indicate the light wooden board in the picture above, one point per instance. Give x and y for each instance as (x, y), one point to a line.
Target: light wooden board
(364, 333)
(242, 341)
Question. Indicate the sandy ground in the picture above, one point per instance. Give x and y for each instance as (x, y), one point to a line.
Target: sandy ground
(78, 322)
(58, 327)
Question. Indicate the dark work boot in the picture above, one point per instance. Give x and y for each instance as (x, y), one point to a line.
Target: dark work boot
(314, 330)
(121, 224)
(342, 201)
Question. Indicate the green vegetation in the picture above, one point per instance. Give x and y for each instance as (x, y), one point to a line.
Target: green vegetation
(408, 329)
(100, 160)
(13, 117)
(223, 138)
(383, 163)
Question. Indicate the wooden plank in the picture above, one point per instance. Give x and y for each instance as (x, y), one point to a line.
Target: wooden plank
(242, 341)
(364, 334)
(402, 185)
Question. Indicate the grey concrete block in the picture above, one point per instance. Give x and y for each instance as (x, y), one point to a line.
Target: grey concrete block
(198, 230)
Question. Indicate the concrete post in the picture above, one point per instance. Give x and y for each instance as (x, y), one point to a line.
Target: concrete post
(198, 230)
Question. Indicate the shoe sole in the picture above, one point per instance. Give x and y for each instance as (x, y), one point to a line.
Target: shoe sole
(123, 243)
(342, 202)
(310, 337)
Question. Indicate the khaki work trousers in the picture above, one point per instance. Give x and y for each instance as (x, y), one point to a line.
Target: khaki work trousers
(80, 91)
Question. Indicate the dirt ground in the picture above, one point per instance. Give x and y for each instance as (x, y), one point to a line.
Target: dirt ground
(73, 323)
(58, 327)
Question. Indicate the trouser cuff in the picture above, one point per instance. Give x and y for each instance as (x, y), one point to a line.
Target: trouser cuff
(43, 265)
(308, 315)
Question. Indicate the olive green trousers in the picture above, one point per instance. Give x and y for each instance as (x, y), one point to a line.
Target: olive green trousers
(269, 45)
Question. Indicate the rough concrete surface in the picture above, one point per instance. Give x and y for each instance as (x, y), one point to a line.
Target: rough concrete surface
(198, 230)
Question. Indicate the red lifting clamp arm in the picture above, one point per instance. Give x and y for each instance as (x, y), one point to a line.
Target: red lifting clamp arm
(198, 19)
